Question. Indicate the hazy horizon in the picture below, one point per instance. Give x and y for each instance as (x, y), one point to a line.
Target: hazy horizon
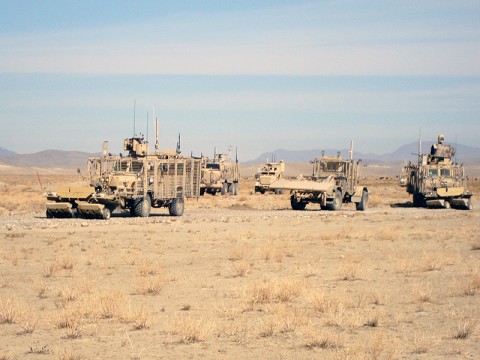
(258, 75)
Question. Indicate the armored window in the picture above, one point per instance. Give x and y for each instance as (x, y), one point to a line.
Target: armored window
(213, 166)
(445, 172)
(433, 172)
(334, 166)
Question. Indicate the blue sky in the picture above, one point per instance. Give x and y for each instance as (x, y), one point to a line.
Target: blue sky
(260, 75)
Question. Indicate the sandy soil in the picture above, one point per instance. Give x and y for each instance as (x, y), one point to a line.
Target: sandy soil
(239, 277)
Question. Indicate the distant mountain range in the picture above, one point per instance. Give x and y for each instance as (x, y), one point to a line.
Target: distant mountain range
(76, 159)
(46, 159)
(466, 154)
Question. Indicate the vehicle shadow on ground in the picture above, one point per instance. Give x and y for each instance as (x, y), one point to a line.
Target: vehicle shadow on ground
(408, 204)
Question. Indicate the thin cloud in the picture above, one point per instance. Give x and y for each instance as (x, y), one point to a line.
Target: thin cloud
(327, 38)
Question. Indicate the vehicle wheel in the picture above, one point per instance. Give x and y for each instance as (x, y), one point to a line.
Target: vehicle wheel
(235, 188)
(336, 204)
(418, 200)
(176, 207)
(277, 191)
(49, 214)
(142, 207)
(262, 191)
(202, 191)
(362, 205)
(469, 204)
(224, 188)
(106, 213)
(446, 204)
(297, 205)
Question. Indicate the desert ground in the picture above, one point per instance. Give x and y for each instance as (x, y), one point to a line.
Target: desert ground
(239, 277)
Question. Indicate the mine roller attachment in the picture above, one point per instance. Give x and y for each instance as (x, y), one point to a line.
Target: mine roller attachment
(60, 210)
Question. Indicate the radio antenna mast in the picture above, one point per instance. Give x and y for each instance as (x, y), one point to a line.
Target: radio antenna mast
(134, 111)
(147, 126)
(420, 160)
(156, 135)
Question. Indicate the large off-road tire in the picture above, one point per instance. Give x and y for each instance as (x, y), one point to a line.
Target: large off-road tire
(142, 207)
(362, 205)
(277, 191)
(176, 207)
(224, 188)
(469, 204)
(202, 191)
(418, 200)
(235, 188)
(297, 205)
(49, 214)
(106, 213)
(336, 203)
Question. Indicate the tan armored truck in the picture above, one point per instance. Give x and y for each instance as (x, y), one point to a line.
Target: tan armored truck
(270, 172)
(334, 181)
(136, 182)
(220, 175)
(436, 180)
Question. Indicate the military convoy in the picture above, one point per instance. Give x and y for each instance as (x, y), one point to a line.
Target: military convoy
(142, 180)
(136, 182)
(334, 181)
(269, 173)
(219, 175)
(436, 180)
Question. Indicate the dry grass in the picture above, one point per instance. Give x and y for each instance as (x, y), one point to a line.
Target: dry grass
(472, 285)
(322, 339)
(253, 280)
(11, 311)
(464, 329)
(433, 262)
(111, 304)
(150, 285)
(188, 330)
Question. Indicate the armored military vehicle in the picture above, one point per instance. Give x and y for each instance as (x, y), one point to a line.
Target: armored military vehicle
(136, 182)
(334, 181)
(270, 172)
(219, 175)
(436, 180)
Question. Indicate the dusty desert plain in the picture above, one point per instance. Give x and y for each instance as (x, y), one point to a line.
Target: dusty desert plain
(240, 277)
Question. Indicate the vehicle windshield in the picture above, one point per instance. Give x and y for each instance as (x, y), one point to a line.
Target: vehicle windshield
(433, 172)
(213, 166)
(333, 166)
(445, 172)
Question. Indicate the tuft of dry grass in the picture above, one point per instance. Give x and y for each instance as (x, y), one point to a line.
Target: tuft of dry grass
(433, 262)
(10, 311)
(423, 345)
(288, 290)
(146, 267)
(70, 321)
(465, 328)
(423, 294)
(70, 355)
(472, 285)
(322, 340)
(111, 304)
(241, 268)
(49, 269)
(379, 348)
(269, 291)
(189, 330)
(150, 285)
